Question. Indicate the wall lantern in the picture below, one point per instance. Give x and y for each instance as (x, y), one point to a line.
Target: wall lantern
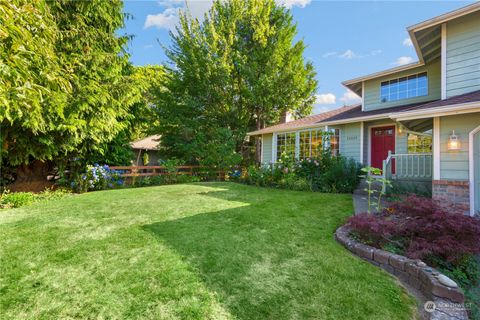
(453, 142)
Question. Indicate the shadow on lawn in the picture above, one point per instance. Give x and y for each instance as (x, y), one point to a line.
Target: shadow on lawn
(261, 261)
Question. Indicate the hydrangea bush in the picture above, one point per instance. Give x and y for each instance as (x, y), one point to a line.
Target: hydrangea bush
(97, 177)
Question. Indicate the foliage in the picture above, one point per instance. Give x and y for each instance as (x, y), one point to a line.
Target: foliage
(16, 199)
(19, 199)
(97, 177)
(238, 70)
(324, 174)
(423, 229)
(371, 177)
(68, 92)
(175, 250)
(165, 180)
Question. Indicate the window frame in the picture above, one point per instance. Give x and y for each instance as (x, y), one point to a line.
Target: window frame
(391, 90)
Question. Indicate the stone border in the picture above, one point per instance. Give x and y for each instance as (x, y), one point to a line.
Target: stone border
(412, 273)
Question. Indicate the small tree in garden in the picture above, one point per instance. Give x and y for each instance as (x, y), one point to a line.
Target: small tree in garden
(371, 176)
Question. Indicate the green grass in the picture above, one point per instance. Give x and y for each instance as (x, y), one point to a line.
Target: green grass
(197, 251)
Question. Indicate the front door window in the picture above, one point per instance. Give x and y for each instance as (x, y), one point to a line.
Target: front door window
(383, 140)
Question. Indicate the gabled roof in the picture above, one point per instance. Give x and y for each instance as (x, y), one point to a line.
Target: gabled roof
(306, 122)
(426, 38)
(148, 143)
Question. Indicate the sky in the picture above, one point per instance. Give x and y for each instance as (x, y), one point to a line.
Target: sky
(345, 39)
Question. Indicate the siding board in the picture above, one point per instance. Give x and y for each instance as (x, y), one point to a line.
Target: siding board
(463, 55)
(267, 148)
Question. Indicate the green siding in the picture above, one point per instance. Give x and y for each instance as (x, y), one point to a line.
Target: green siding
(463, 55)
(372, 87)
(350, 141)
(454, 164)
(267, 148)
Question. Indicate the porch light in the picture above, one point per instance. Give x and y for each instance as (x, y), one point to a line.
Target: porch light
(453, 142)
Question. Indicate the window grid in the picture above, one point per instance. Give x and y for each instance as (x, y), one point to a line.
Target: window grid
(286, 144)
(404, 88)
(419, 143)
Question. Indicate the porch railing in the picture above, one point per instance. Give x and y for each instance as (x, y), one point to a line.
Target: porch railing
(415, 166)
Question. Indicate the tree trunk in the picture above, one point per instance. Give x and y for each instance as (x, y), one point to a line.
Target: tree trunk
(258, 143)
(32, 177)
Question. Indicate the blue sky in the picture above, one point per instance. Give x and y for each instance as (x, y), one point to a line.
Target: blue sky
(344, 39)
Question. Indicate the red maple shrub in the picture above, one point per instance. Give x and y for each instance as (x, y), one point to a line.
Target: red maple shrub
(421, 228)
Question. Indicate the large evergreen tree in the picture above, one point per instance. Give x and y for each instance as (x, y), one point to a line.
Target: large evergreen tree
(66, 85)
(238, 70)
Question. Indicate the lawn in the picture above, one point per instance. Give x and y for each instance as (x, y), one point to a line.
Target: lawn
(194, 251)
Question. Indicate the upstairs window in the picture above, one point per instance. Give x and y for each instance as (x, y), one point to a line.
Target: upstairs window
(404, 88)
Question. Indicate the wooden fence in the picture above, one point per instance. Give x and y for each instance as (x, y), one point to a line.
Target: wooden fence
(150, 171)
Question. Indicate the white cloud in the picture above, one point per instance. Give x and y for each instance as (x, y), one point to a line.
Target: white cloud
(407, 42)
(148, 46)
(349, 97)
(325, 98)
(168, 19)
(294, 3)
(375, 52)
(403, 60)
(349, 54)
(165, 20)
(329, 54)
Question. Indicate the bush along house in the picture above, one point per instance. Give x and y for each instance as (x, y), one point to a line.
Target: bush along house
(419, 123)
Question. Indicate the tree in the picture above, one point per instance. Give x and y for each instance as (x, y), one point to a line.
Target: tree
(65, 79)
(239, 69)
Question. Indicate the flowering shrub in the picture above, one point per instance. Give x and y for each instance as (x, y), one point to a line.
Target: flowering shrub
(97, 177)
(325, 174)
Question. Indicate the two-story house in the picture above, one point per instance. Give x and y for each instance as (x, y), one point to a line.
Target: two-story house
(419, 122)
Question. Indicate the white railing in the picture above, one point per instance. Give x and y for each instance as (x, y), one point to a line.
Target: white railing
(415, 166)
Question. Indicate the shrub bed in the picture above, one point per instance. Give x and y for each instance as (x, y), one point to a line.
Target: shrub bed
(323, 174)
(421, 228)
(19, 199)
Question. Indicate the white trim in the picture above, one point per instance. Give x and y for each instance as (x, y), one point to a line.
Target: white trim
(445, 17)
(362, 133)
(390, 124)
(471, 168)
(383, 73)
(461, 108)
(436, 148)
(444, 62)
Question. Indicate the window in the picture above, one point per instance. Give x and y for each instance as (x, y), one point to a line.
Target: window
(335, 142)
(285, 144)
(420, 143)
(312, 142)
(305, 140)
(404, 88)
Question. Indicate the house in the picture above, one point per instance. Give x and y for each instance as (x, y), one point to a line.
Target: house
(419, 123)
(146, 151)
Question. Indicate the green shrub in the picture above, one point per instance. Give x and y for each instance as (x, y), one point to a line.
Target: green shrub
(19, 199)
(325, 174)
(16, 199)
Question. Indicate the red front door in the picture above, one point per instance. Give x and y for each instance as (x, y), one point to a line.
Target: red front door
(383, 140)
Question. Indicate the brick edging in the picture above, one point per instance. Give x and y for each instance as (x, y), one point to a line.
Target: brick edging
(414, 273)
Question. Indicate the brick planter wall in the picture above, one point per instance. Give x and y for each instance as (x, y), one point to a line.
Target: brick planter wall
(412, 273)
(455, 192)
